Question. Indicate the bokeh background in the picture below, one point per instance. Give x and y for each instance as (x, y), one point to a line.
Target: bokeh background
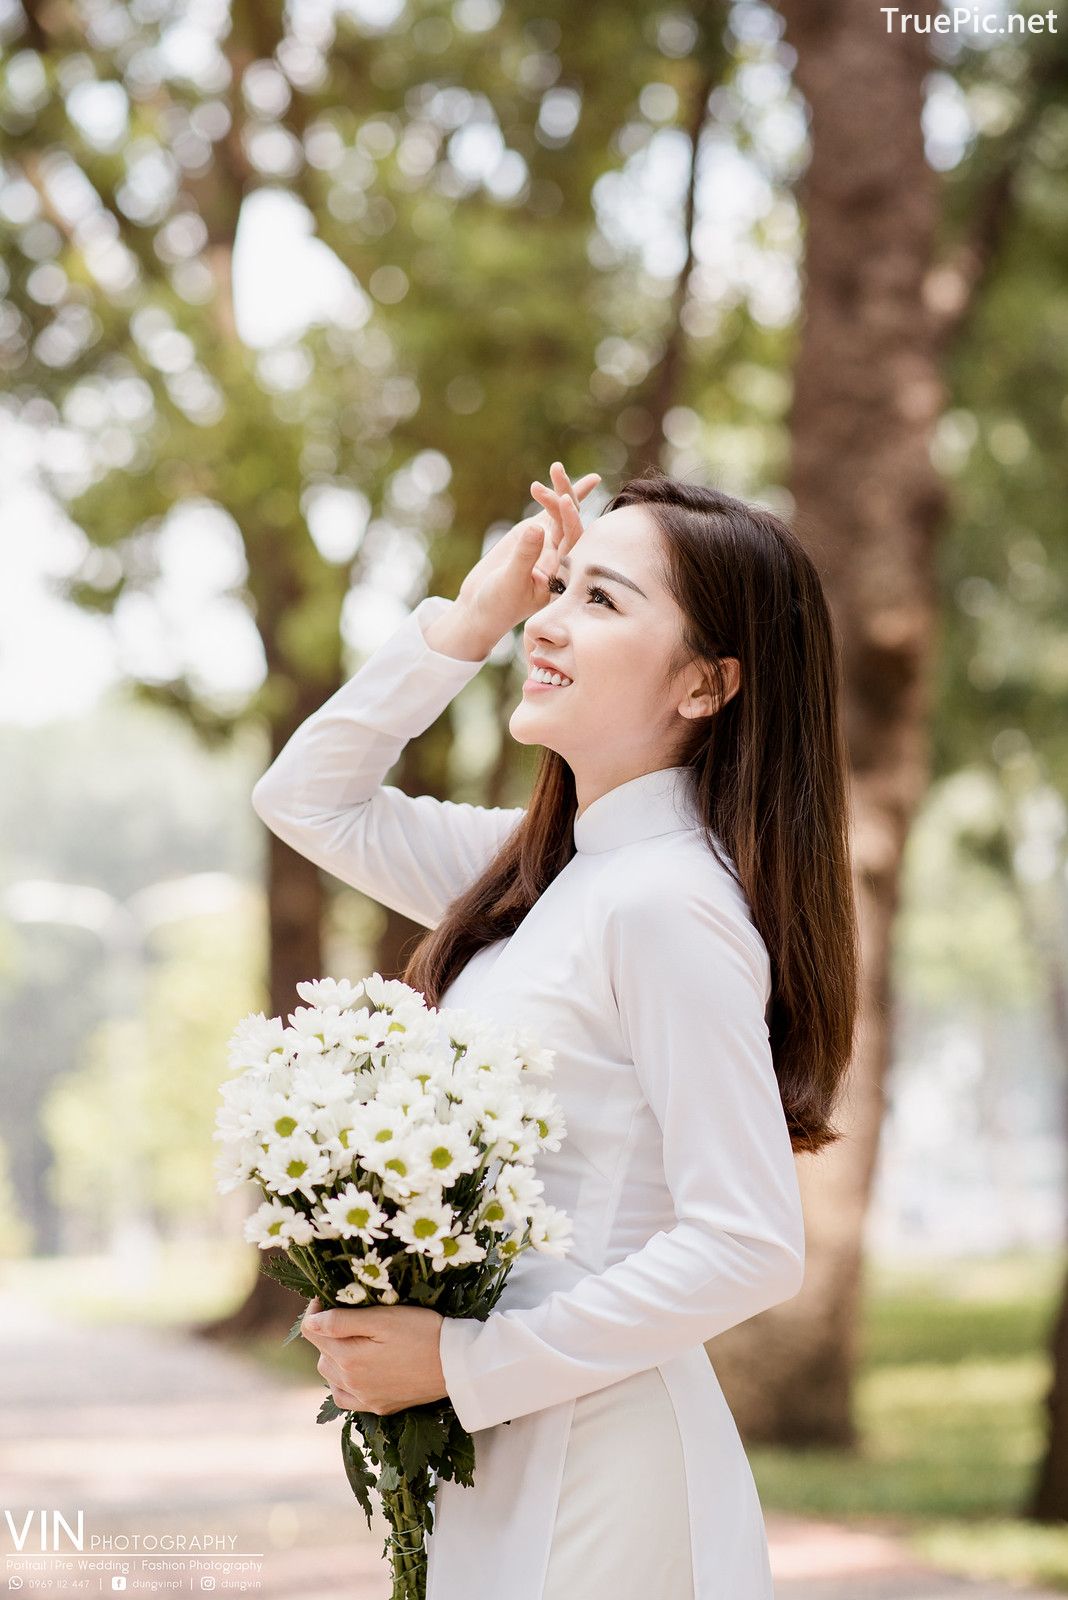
(295, 302)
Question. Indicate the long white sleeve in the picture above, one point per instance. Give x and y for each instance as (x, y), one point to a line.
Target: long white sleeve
(323, 794)
(691, 995)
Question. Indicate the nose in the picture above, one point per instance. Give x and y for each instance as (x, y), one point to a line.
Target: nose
(544, 626)
(544, 631)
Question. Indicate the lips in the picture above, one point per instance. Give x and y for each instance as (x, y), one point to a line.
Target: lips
(549, 666)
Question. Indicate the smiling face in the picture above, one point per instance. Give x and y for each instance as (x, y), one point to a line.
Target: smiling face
(614, 637)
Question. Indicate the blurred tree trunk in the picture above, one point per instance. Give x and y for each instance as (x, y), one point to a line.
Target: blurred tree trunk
(643, 425)
(867, 394)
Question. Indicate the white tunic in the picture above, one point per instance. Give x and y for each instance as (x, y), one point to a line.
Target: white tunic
(640, 966)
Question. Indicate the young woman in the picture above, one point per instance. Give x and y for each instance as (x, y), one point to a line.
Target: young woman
(673, 915)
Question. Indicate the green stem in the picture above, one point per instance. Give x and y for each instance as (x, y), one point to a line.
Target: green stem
(305, 1260)
(408, 1557)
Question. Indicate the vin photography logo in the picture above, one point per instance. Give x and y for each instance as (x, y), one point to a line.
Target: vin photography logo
(51, 1545)
(52, 1535)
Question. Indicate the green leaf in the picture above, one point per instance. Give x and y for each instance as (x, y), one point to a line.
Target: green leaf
(423, 1292)
(294, 1332)
(329, 1410)
(361, 1479)
(422, 1440)
(286, 1272)
(458, 1458)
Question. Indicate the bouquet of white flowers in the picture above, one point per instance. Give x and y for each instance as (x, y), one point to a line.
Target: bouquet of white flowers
(394, 1145)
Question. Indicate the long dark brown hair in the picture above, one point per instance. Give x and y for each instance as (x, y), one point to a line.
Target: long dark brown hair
(771, 777)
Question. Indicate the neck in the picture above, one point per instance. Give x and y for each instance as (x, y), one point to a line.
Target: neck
(592, 788)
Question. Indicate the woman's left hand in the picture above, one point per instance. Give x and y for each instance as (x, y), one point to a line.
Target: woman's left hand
(377, 1358)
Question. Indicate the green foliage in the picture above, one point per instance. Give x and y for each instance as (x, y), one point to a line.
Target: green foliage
(279, 1266)
(1004, 567)
(961, 937)
(361, 1478)
(503, 316)
(131, 1128)
(953, 1380)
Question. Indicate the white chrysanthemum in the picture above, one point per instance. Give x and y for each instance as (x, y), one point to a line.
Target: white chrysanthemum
(519, 1192)
(314, 1030)
(500, 1116)
(334, 1130)
(523, 1151)
(472, 1034)
(244, 1090)
(232, 1167)
(281, 1116)
(277, 1224)
(459, 1025)
(330, 992)
(353, 1294)
(374, 1272)
(296, 1164)
(275, 1078)
(354, 1213)
(322, 1081)
(456, 1250)
(409, 1029)
(551, 1230)
(362, 1032)
(384, 1144)
(421, 1222)
(536, 1058)
(543, 1108)
(309, 1019)
(404, 1174)
(493, 1213)
(495, 1056)
(241, 1114)
(390, 993)
(254, 1040)
(406, 1094)
(423, 1064)
(446, 1150)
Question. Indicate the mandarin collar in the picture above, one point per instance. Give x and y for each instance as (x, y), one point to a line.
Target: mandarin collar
(653, 803)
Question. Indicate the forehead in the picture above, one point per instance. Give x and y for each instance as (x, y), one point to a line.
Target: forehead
(626, 539)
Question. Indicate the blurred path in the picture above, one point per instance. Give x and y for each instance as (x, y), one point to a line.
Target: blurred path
(153, 1433)
(157, 1435)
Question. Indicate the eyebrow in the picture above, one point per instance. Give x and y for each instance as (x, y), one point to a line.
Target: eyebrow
(606, 572)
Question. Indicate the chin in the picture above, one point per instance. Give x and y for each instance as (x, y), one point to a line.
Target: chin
(517, 727)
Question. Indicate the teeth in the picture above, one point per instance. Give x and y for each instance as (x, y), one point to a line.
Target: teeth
(542, 676)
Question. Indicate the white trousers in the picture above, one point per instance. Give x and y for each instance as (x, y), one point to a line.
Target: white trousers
(622, 1529)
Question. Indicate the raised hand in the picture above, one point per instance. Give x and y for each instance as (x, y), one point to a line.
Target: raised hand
(510, 581)
(561, 518)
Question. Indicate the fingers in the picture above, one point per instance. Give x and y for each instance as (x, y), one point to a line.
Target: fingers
(342, 1395)
(562, 483)
(311, 1309)
(563, 508)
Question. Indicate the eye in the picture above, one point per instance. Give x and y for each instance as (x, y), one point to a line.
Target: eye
(555, 585)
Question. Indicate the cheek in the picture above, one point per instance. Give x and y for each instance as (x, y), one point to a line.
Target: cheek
(619, 675)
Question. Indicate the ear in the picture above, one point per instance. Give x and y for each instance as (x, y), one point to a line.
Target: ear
(701, 698)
